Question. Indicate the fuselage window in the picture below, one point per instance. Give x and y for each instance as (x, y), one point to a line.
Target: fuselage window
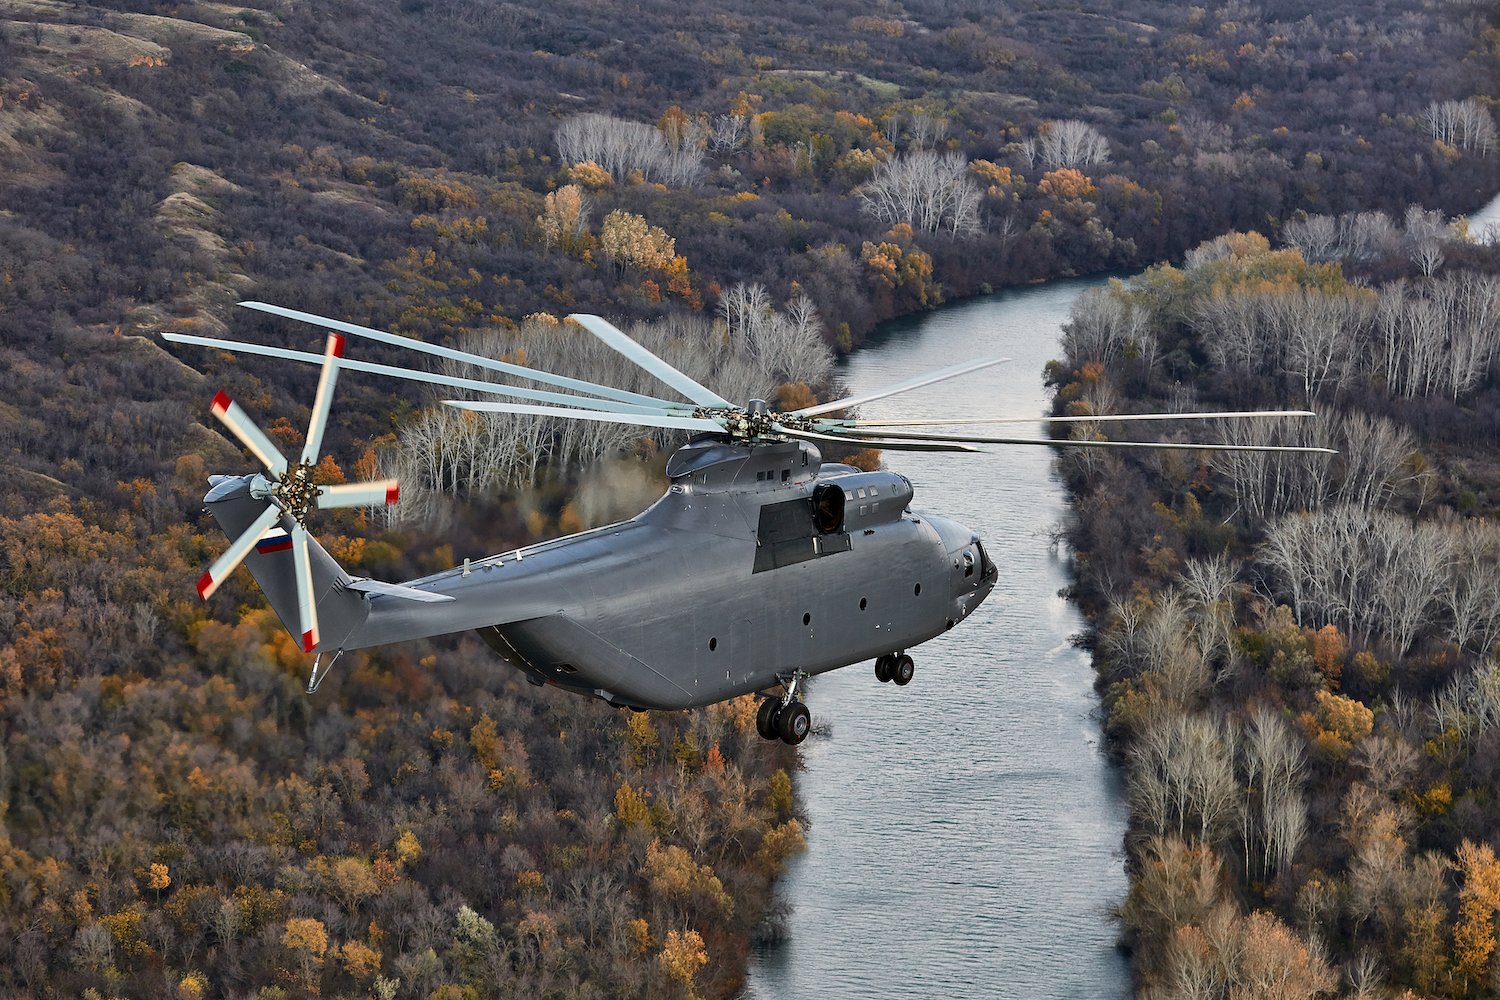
(786, 474)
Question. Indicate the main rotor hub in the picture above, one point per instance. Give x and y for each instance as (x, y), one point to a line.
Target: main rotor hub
(755, 422)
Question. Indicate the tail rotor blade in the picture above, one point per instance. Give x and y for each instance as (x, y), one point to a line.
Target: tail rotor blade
(219, 571)
(374, 494)
(249, 435)
(324, 399)
(613, 337)
(307, 605)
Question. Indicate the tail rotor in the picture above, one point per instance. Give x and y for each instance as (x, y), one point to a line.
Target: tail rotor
(291, 492)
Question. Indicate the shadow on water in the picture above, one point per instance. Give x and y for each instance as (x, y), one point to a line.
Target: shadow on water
(966, 829)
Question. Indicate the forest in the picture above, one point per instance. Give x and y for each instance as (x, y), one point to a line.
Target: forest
(768, 184)
(1296, 651)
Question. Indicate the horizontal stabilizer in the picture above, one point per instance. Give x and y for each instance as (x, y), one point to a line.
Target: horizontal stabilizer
(396, 590)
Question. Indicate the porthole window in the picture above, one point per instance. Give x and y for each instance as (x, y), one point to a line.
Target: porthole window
(807, 618)
(863, 603)
(917, 590)
(713, 644)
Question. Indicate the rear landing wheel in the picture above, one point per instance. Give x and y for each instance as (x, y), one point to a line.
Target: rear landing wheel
(904, 669)
(766, 718)
(793, 723)
(885, 667)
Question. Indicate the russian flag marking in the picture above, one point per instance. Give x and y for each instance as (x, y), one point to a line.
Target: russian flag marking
(337, 343)
(222, 403)
(392, 495)
(205, 582)
(309, 640)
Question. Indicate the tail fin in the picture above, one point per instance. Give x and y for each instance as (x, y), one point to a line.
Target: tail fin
(340, 609)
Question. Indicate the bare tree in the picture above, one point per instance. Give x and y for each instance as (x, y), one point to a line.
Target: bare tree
(728, 133)
(625, 147)
(1465, 124)
(933, 192)
(1071, 143)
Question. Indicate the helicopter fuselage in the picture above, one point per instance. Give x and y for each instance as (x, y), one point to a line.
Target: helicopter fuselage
(759, 563)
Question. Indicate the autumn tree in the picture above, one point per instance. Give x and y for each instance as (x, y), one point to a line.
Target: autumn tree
(565, 217)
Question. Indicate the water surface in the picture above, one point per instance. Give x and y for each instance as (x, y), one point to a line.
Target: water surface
(965, 830)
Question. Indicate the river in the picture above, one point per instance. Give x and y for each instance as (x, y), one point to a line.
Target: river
(966, 830)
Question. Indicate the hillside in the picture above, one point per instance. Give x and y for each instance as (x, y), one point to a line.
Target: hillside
(176, 814)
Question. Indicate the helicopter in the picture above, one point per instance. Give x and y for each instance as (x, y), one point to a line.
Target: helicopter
(760, 566)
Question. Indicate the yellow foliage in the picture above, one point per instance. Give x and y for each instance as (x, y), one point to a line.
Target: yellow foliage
(359, 960)
(1067, 184)
(484, 737)
(1328, 654)
(738, 712)
(192, 986)
(157, 877)
(629, 241)
(590, 175)
(642, 739)
(630, 807)
(640, 936)
(779, 793)
(306, 935)
(682, 955)
(780, 843)
(1337, 724)
(408, 848)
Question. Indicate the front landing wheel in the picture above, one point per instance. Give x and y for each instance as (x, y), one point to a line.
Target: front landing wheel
(904, 669)
(793, 723)
(766, 719)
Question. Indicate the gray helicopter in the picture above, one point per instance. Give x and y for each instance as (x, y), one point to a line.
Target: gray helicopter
(761, 565)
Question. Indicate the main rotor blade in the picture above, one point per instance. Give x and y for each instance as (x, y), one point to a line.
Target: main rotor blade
(1097, 419)
(856, 435)
(615, 338)
(519, 371)
(381, 492)
(431, 378)
(893, 445)
(249, 435)
(915, 382)
(307, 604)
(641, 419)
(323, 399)
(221, 567)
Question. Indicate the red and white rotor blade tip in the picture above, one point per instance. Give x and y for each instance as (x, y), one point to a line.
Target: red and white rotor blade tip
(324, 399)
(236, 553)
(249, 435)
(307, 605)
(384, 492)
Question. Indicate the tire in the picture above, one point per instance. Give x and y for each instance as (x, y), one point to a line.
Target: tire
(905, 667)
(794, 723)
(766, 719)
(884, 667)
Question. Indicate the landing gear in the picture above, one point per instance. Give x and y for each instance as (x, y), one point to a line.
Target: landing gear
(766, 718)
(793, 723)
(784, 718)
(896, 667)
